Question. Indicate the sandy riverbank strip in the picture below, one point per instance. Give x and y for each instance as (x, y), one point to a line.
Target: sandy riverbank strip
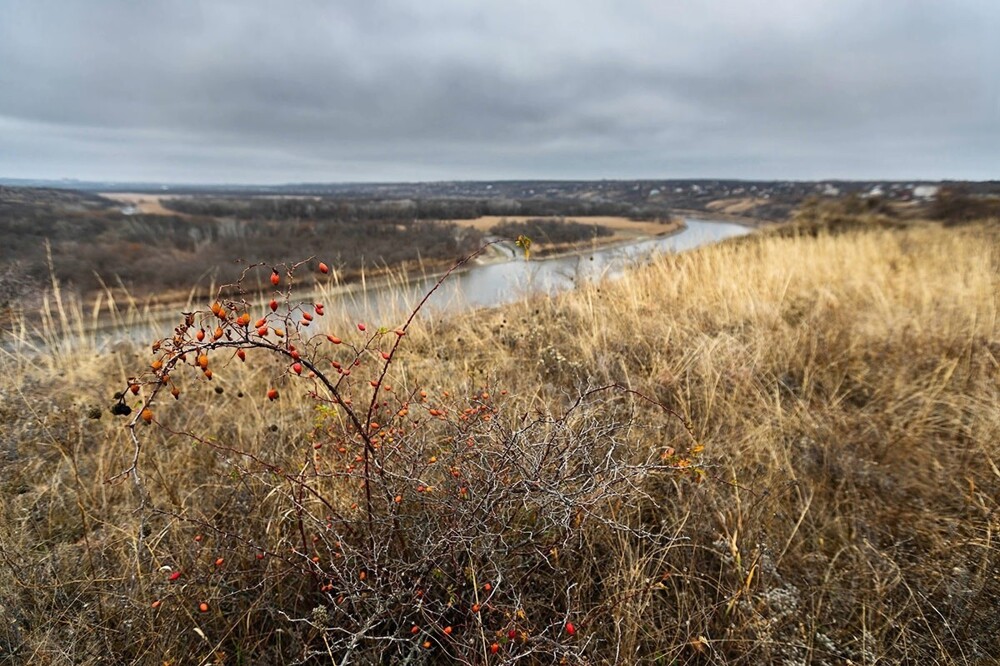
(622, 227)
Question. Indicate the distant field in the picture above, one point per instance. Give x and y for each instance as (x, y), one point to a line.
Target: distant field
(737, 205)
(148, 204)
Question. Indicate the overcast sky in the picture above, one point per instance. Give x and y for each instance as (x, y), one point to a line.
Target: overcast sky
(361, 90)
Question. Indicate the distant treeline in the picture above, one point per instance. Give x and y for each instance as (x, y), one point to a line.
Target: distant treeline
(277, 208)
(957, 205)
(550, 231)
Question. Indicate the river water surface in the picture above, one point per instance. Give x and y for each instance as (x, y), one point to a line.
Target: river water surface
(498, 283)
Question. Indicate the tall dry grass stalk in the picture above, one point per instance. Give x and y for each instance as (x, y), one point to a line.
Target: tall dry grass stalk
(846, 389)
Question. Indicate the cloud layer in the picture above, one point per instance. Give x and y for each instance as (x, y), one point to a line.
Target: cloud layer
(248, 91)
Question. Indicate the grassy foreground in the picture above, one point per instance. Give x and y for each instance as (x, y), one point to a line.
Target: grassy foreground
(846, 390)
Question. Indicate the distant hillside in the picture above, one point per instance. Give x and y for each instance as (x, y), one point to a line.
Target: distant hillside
(761, 199)
(91, 240)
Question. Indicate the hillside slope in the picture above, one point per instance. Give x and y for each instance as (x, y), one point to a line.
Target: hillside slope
(845, 390)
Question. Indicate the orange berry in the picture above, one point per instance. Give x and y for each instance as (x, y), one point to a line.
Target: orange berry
(219, 561)
(157, 364)
(203, 607)
(323, 268)
(147, 415)
(208, 374)
(275, 277)
(475, 608)
(218, 333)
(448, 630)
(494, 648)
(200, 335)
(155, 604)
(334, 339)
(272, 394)
(242, 355)
(176, 392)
(203, 361)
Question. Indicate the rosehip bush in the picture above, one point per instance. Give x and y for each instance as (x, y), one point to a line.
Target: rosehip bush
(400, 524)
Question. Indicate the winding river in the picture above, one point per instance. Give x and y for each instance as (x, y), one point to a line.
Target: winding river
(494, 284)
(389, 302)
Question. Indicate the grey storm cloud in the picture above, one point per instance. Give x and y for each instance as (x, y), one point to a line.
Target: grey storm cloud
(253, 91)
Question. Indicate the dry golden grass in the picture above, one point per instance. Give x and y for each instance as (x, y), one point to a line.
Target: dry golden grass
(846, 389)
